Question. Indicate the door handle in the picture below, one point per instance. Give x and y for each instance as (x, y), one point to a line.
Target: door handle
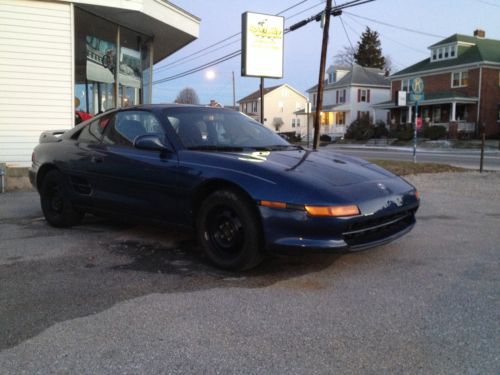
(96, 159)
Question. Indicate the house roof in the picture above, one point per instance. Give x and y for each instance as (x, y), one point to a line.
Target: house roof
(358, 76)
(482, 50)
(256, 94)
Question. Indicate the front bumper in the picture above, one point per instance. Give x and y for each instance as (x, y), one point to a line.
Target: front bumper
(32, 177)
(295, 231)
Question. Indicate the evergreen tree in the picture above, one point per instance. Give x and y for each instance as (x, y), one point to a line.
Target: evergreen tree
(369, 53)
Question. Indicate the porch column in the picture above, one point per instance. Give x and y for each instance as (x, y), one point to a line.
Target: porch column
(453, 111)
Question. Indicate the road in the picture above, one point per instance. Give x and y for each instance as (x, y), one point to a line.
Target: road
(465, 159)
(108, 298)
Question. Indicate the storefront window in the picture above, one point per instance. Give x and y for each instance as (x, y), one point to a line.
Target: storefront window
(130, 72)
(112, 65)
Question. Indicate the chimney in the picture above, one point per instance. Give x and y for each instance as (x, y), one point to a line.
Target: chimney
(479, 33)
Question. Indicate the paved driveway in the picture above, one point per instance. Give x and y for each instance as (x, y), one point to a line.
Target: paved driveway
(115, 298)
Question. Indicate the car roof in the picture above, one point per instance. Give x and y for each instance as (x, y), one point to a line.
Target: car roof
(170, 105)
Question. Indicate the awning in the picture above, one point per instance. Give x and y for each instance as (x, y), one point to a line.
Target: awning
(170, 26)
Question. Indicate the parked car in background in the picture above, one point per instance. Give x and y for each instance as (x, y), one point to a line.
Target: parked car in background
(243, 188)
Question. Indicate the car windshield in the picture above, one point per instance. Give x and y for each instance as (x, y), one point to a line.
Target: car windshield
(216, 129)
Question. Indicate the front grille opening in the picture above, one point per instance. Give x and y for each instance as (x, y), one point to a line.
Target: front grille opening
(376, 229)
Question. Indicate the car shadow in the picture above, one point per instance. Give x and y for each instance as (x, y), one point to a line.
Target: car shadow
(121, 262)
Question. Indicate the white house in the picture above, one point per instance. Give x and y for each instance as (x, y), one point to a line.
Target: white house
(349, 93)
(58, 56)
(280, 106)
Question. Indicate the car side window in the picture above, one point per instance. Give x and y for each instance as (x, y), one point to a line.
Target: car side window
(129, 125)
(93, 132)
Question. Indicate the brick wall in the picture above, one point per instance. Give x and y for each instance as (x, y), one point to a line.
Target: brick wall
(490, 99)
(490, 95)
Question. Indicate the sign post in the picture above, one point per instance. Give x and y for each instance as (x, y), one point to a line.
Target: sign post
(416, 95)
(262, 49)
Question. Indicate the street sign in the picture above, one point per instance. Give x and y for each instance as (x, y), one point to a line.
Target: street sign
(417, 90)
(401, 98)
(419, 122)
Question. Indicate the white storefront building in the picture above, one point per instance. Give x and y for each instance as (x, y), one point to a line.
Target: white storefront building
(62, 56)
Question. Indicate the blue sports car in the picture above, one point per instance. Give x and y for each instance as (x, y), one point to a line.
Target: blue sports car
(245, 190)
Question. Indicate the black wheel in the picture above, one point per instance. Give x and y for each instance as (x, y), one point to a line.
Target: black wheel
(229, 231)
(56, 206)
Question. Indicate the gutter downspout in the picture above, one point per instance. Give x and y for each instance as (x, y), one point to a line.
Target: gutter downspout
(479, 99)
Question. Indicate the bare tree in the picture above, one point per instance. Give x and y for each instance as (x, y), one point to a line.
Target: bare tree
(187, 96)
(345, 56)
(278, 123)
(388, 66)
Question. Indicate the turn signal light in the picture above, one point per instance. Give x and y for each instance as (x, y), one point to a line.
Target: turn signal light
(273, 204)
(336, 211)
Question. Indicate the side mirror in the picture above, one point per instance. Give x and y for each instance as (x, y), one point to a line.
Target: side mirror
(151, 142)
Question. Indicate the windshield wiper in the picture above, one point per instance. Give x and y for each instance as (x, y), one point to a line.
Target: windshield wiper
(283, 147)
(215, 148)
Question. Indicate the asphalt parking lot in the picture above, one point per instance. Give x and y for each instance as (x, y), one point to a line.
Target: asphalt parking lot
(107, 297)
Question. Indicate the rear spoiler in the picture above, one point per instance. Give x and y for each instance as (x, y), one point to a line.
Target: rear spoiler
(51, 136)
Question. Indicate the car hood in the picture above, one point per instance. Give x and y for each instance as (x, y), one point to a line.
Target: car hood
(325, 167)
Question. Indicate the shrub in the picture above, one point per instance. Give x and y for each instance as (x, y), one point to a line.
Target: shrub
(325, 138)
(381, 130)
(360, 130)
(405, 134)
(434, 132)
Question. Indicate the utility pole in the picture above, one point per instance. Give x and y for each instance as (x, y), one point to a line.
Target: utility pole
(234, 93)
(319, 96)
(262, 100)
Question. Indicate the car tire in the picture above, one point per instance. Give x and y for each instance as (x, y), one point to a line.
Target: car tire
(229, 231)
(56, 205)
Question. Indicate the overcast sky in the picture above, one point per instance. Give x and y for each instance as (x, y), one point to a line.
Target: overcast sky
(222, 18)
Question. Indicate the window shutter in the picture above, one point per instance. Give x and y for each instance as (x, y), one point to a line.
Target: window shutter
(358, 115)
(344, 97)
(337, 96)
(359, 96)
(368, 96)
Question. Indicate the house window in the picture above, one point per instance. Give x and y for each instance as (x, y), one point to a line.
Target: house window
(436, 116)
(340, 118)
(254, 107)
(362, 96)
(280, 106)
(293, 123)
(403, 116)
(453, 51)
(342, 96)
(298, 122)
(460, 79)
(405, 85)
(440, 53)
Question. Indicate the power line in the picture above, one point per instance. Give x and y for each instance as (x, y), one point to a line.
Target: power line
(359, 35)
(201, 67)
(391, 39)
(233, 54)
(488, 3)
(395, 26)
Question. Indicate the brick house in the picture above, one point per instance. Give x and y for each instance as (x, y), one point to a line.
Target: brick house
(461, 86)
